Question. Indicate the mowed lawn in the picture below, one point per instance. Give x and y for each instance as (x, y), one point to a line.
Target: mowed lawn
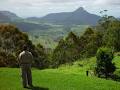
(54, 79)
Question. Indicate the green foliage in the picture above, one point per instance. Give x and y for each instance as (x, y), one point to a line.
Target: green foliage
(104, 62)
(105, 21)
(11, 44)
(112, 36)
(41, 60)
(67, 50)
(90, 41)
(7, 60)
(109, 26)
(73, 47)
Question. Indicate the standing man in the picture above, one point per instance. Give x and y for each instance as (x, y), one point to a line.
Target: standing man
(25, 61)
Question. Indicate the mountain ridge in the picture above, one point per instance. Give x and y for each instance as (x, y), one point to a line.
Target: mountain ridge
(8, 16)
(80, 17)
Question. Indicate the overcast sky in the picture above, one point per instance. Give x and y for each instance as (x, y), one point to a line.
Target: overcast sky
(28, 8)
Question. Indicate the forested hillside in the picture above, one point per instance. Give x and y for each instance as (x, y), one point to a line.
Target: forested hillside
(11, 44)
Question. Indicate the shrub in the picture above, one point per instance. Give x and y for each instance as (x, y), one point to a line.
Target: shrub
(104, 67)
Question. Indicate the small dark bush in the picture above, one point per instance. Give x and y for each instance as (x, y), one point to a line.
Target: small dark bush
(104, 67)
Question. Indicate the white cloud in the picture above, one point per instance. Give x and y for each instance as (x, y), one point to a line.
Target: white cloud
(107, 2)
(42, 7)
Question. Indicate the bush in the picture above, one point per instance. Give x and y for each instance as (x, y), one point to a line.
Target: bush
(104, 67)
(7, 60)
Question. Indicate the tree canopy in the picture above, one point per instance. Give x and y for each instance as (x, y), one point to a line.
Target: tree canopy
(11, 44)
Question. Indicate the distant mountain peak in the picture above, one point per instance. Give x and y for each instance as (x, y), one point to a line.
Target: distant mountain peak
(80, 9)
(79, 17)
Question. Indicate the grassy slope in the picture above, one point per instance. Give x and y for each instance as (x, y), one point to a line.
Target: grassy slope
(63, 78)
(10, 80)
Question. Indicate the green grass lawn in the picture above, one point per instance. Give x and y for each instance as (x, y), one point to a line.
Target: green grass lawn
(55, 80)
(65, 77)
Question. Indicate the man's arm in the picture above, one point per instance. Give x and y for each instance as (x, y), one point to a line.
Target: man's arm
(19, 59)
(31, 57)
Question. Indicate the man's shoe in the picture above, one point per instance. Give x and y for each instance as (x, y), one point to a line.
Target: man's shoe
(31, 86)
(25, 86)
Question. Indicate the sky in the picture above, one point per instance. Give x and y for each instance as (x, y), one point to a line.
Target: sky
(39, 8)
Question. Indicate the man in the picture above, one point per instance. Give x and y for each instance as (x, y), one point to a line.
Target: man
(25, 60)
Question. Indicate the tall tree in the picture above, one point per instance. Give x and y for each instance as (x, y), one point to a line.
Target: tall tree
(67, 50)
(89, 42)
(104, 63)
(112, 36)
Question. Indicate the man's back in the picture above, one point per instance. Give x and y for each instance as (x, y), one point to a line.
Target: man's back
(25, 57)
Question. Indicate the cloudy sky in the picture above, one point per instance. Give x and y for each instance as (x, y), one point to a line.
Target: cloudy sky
(28, 8)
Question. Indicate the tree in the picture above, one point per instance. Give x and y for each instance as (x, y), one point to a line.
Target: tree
(95, 41)
(89, 42)
(104, 21)
(112, 36)
(67, 50)
(109, 26)
(104, 65)
(59, 55)
(41, 60)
